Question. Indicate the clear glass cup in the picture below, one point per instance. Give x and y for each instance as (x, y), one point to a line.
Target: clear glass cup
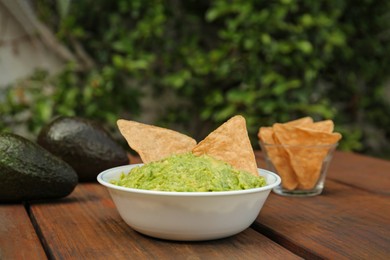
(302, 168)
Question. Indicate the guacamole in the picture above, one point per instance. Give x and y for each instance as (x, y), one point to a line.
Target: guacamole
(187, 172)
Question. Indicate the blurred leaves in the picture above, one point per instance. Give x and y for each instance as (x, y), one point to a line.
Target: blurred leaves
(271, 61)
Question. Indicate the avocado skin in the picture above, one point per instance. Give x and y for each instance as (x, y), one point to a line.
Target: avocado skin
(84, 144)
(29, 172)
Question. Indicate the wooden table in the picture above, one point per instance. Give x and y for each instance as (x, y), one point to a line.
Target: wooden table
(350, 220)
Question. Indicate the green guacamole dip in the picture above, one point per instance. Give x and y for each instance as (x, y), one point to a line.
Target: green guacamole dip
(186, 172)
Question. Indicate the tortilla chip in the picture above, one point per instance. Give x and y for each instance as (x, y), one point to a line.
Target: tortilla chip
(265, 134)
(301, 121)
(154, 143)
(307, 151)
(278, 157)
(230, 143)
(294, 135)
(321, 126)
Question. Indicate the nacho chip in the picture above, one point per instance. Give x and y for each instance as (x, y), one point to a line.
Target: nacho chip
(300, 121)
(306, 144)
(278, 157)
(321, 126)
(295, 135)
(230, 143)
(154, 143)
(307, 150)
(265, 134)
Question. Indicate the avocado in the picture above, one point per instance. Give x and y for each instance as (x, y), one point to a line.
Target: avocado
(29, 172)
(84, 144)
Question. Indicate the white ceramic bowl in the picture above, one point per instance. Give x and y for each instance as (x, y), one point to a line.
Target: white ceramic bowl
(187, 215)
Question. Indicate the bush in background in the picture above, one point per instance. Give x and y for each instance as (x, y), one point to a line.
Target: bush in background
(270, 61)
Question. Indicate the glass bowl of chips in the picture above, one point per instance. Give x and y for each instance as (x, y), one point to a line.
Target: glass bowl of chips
(302, 168)
(300, 152)
(187, 216)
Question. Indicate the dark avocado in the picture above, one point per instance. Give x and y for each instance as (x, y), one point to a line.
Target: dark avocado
(29, 172)
(84, 144)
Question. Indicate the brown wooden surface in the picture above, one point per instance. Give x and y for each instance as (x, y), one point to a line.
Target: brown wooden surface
(343, 222)
(362, 172)
(350, 220)
(18, 239)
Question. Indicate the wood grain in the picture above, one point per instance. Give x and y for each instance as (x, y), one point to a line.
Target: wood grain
(364, 172)
(87, 225)
(342, 223)
(18, 239)
(350, 220)
(133, 159)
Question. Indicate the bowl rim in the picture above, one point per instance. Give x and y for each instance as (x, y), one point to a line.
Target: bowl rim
(102, 181)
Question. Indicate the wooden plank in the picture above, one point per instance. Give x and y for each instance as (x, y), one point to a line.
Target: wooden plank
(360, 171)
(87, 225)
(342, 223)
(134, 159)
(18, 239)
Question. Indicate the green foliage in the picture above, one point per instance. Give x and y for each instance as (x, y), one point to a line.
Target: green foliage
(267, 60)
(37, 100)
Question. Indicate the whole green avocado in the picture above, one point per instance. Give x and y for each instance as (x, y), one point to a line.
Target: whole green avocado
(29, 172)
(84, 144)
